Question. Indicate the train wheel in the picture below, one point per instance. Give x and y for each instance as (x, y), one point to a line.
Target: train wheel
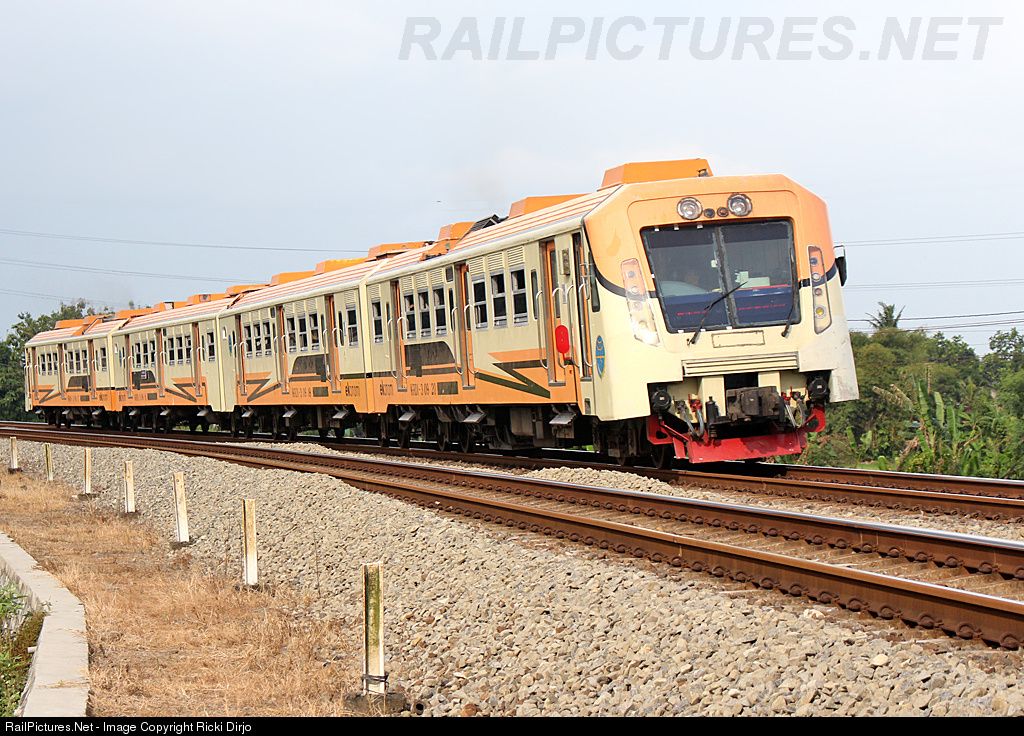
(339, 433)
(405, 435)
(444, 435)
(663, 456)
(466, 441)
(383, 432)
(249, 426)
(292, 432)
(323, 432)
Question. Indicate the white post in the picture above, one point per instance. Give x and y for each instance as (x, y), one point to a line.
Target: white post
(250, 575)
(13, 467)
(181, 514)
(129, 487)
(374, 677)
(48, 453)
(87, 489)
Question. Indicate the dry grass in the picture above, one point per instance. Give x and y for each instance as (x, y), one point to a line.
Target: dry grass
(166, 640)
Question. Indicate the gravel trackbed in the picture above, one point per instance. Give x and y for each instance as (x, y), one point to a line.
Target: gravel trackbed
(482, 619)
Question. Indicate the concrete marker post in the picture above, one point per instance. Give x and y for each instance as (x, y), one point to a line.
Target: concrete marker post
(180, 512)
(375, 679)
(13, 467)
(48, 454)
(129, 487)
(375, 697)
(87, 472)
(250, 575)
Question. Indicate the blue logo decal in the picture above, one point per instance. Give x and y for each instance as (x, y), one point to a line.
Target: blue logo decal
(599, 352)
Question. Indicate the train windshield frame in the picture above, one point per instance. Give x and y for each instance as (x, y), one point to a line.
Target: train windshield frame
(752, 263)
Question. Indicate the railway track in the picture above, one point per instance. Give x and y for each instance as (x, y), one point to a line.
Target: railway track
(988, 498)
(970, 587)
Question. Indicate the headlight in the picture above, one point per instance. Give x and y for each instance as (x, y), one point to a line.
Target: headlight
(740, 205)
(689, 208)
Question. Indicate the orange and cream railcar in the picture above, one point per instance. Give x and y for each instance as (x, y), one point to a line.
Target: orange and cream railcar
(71, 372)
(170, 358)
(669, 314)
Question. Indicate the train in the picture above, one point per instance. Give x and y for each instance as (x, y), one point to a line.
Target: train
(669, 315)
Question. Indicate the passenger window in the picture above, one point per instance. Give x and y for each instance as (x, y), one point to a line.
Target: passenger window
(268, 338)
(424, 298)
(247, 331)
(535, 291)
(314, 331)
(303, 335)
(479, 303)
(180, 345)
(410, 315)
(498, 299)
(520, 313)
(352, 326)
(289, 328)
(188, 349)
(440, 313)
(211, 346)
(378, 321)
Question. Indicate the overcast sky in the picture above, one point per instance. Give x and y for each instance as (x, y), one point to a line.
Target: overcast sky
(295, 124)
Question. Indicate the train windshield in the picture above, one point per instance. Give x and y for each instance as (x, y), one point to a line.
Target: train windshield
(750, 264)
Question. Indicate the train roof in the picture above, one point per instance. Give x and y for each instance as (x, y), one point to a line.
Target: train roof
(529, 217)
(178, 314)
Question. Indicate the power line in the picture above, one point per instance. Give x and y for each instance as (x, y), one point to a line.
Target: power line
(935, 239)
(168, 243)
(54, 297)
(932, 284)
(949, 316)
(89, 269)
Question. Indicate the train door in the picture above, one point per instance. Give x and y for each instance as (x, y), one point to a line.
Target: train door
(61, 371)
(553, 282)
(197, 363)
(240, 344)
(279, 347)
(162, 361)
(31, 378)
(397, 336)
(460, 324)
(334, 343)
(585, 296)
(91, 346)
(129, 366)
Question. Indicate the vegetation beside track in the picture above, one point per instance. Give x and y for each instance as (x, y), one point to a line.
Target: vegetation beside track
(18, 633)
(928, 403)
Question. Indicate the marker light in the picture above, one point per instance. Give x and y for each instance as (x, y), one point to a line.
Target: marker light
(740, 205)
(689, 208)
(822, 313)
(641, 317)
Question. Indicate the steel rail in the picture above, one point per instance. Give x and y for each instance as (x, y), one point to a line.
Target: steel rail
(957, 611)
(980, 497)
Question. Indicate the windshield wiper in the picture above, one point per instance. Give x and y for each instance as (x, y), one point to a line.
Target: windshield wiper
(709, 307)
(791, 316)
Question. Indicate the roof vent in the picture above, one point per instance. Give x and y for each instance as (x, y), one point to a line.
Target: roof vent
(634, 173)
(531, 204)
(389, 249)
(288, 276)
(337, 264)
(243, 289)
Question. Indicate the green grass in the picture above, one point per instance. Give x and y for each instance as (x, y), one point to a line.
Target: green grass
(15, 658)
